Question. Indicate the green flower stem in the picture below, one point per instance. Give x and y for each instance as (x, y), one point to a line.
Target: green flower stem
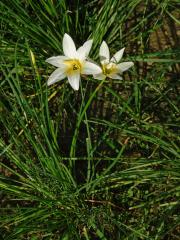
(73, 144)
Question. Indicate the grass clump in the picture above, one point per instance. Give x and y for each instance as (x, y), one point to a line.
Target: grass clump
(103, 162)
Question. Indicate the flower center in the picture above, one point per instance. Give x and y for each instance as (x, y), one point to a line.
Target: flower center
(73, 66)
(109, 68)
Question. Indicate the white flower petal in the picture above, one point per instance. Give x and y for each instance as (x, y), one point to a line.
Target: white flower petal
(117, 56)
(124, 66)
(74, 80)
(56, 61)
(84, 50)
(56, 76)
(69, 48)
(90, 68)
(114, 76)
(104, 53)
(99, 76)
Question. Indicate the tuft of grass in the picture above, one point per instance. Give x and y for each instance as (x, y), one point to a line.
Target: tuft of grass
(101, 163)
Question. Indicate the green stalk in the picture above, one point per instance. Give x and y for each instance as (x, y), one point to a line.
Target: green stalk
(74, 140)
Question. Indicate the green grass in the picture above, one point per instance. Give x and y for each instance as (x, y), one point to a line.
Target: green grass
(103, 162)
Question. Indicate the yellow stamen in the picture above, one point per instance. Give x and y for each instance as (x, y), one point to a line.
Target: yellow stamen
(109, 68)
(73, 66)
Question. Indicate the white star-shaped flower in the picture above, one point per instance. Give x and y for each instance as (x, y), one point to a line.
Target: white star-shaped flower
(110, 67)
(73, 63)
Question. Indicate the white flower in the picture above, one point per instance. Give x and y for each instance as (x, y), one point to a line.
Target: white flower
(73, 64)
(110, 67)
